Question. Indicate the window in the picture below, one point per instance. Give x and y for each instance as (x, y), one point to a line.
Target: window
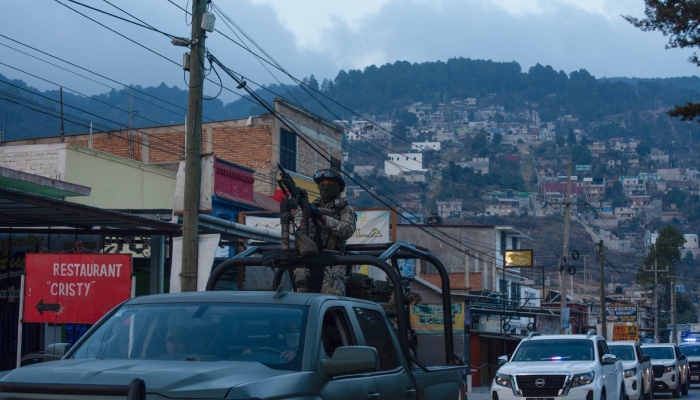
(515, 292)
(335, 163)
(503, 287)
(377, 334)
(288, 150)
(335, 332)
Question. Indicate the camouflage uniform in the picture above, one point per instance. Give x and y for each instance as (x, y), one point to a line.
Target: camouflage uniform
(339, 227)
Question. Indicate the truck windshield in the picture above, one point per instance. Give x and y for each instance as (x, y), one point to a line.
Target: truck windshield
(659, 353)
(690, 349)
(623, 352)
(200, 332)
(555, 350)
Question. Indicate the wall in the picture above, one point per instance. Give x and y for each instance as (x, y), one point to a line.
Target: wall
(118, 183)
(47, 160)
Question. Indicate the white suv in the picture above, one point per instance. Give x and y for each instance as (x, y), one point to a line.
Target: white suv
(566, 366)
(639, 378)
(670, 368)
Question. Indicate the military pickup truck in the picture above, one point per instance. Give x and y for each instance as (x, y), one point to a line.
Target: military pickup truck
(250, 345)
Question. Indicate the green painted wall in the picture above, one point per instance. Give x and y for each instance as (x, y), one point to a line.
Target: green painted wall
(118, 183)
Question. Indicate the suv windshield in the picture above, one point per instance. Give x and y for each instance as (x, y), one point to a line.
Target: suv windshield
(623, 352)
(555, 350)
(690, 349)
(659, 353)
(200, 332)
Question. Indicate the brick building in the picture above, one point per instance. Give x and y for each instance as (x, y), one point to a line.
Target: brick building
(257, 143)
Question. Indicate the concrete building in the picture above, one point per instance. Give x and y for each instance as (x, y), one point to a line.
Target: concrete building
(399, 163)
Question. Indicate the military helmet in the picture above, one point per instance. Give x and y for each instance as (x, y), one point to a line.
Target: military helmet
(332, 174)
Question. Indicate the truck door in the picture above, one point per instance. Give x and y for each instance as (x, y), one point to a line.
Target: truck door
(393, 377)
(610, 373)
(336, 331)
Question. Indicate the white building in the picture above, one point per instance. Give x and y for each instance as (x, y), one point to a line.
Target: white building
(399, 163)
(422, 146)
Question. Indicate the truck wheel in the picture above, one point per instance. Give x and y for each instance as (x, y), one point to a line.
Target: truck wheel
(676, 393)
(650, 394)
(686, 386)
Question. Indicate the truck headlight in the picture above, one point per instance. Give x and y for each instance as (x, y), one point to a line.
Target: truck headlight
(669, 368)
(630, 372)
(503, 380)
(582, 379)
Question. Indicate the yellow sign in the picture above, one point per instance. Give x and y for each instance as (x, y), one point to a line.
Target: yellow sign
(625, 332)
(428, 318)
(517, 258)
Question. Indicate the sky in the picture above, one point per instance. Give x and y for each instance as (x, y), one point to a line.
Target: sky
(322, 37)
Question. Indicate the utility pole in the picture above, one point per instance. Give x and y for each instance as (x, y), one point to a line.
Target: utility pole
(673, 309)
(656, 299)
(603, 325)
(563, 267)
(131, 124)
(63, 134)
(193, 152)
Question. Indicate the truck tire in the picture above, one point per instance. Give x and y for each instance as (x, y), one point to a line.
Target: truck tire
(676, 393)
(686, 386)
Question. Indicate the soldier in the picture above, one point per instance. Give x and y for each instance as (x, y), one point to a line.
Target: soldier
(333, 223)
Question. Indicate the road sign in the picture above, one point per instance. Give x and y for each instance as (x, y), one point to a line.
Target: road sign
(625, 332)
(74, 288)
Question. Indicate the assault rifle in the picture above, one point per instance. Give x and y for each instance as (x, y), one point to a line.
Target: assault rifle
(298, 198)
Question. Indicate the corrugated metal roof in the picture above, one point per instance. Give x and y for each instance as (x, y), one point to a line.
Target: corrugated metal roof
(24, 210)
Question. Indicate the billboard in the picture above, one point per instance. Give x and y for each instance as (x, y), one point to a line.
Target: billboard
(618, 312)
(428, 318)
(74, 287)
(625, 332)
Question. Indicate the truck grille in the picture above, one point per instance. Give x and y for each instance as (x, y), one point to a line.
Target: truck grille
(540, 385)
(695, 366)
(658, 370)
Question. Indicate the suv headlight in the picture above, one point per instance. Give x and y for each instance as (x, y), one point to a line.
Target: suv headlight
(669, 368)
(582, 379)
(503, 380)
(630, 372)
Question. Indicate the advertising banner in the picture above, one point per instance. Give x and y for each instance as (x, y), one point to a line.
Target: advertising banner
(74, 288)
(625, 332)
(428, 318)
(621, 313)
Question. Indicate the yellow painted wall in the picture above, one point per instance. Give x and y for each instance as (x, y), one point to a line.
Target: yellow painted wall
(117, 182)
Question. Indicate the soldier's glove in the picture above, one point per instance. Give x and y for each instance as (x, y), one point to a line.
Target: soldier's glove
(315, 213)
(413, 298)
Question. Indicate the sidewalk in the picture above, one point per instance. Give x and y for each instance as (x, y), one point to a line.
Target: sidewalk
(479, 393)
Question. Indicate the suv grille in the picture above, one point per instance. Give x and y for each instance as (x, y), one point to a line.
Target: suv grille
(540, 385)
(658, 370)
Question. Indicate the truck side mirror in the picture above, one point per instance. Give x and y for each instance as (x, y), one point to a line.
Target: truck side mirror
(682, 357)
(502, 360)
(646, 358)
(349, 360)
(56, 351)
(608, 359)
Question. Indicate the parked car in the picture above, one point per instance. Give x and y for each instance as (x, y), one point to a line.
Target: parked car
(560, 366)
(692, 352)
(639, 378)
(670, 368)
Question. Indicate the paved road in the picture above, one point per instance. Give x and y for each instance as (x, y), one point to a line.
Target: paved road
(482, 393)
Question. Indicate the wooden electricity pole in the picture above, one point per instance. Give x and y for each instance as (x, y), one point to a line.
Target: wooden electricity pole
(603, 325)
(193, 152)
(563, 267)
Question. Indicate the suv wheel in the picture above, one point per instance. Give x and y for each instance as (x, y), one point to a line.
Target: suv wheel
(686, 386)
(676, 393)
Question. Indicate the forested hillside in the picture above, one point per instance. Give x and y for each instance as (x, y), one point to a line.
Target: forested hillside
(381, 91)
